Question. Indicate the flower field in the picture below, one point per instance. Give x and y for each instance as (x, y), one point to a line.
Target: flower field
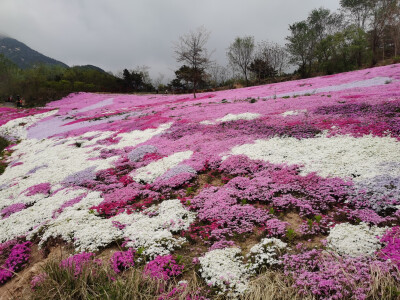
(299, 178)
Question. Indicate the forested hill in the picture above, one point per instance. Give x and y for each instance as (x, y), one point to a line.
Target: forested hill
(23, 56)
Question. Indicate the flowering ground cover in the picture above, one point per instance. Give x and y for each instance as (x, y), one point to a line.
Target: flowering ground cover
(301, 178)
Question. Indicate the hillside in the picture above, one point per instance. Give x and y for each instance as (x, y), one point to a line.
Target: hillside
(281, 191)
(23, 56)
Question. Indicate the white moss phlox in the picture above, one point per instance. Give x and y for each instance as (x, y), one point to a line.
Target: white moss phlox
(293, 112)
(157, 168)
(153, 232)
(224, 269)
(266, 253)
(355, 240)
(341, 156)
(16, 129)
(232, 117)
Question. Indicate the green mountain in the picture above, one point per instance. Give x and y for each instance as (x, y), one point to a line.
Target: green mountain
(23, 56)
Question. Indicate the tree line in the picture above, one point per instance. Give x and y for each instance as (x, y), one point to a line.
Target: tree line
(361, 33)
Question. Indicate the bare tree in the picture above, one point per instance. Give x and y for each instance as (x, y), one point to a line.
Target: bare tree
(218, 74)
(241, 53)
(159, 81)
(191, 50)
(274, 55)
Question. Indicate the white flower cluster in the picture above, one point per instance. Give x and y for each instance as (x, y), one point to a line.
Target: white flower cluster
(265, 253)
(52, 159)
(294, 112)
(26, 220)
(153, 232)
(78, 225)
(224, 269)
(157, 168)
(136, 137)
(16, 129)
(232, 117)
(342, 156)
(355, 240)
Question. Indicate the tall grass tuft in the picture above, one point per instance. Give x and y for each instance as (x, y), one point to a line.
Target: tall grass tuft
(98, 281)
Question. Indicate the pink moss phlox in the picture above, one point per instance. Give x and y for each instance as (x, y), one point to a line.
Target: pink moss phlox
(332, 277)
(201, 231)
(17, 258)
(220, 205)
(77, 262)
(163, 267)
(8, 114)
(313, 227)
(129, 199)
(37, 280)
(167, 185)
(276, 228)
(118, 225)
(222, 244)
(69, 203)
(122, 260)
(368, 216)
(16, 164)
(391, 251)
(41, 188)
(314, 194)
(179, 289)
(11, 209)
(241, 165)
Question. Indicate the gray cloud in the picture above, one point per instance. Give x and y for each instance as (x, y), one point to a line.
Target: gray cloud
(118, 34)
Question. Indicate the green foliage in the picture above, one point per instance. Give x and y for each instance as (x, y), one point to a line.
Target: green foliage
(189, 191)
(318, 218)
(262, 69)
(290, 235)
(3, 144)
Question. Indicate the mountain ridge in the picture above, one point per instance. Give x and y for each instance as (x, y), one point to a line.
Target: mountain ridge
(24, 56)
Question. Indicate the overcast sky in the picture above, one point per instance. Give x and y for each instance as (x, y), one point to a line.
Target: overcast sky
(118, 34)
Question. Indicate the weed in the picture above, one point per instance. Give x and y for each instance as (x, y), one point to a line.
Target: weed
(290, 234)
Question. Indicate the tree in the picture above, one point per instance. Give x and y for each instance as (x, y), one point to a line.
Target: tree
(262, 69)
(241, 54)
(218, 75)
(191, 50)
(274, 54)
(301, 46)
(358, 10)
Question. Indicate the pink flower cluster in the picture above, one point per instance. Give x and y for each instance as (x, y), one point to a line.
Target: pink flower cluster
(13, 208)
(163, 267)
(77, 262)
(391, 251)
(332, 277)
(41, 188)
(122, 260)
(17, 258)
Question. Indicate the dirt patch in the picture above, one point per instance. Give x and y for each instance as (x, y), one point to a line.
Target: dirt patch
(293, 219)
